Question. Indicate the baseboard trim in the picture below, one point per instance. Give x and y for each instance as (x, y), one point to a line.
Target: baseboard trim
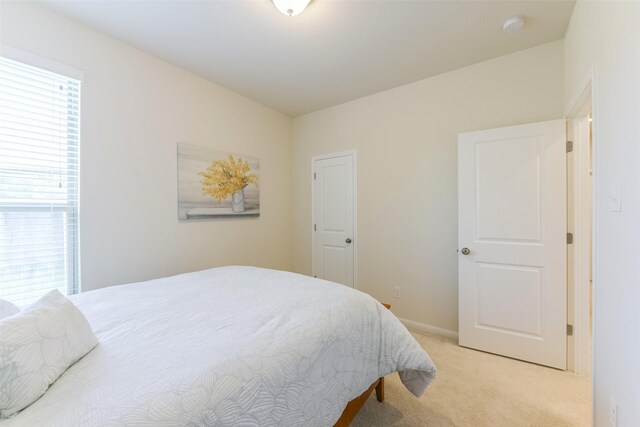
(423, 327)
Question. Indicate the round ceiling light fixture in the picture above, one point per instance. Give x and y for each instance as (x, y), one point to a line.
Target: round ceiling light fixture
(513, 24)
(291, 7)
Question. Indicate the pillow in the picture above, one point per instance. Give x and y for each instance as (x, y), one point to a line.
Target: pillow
(36, 346)
(7, 309)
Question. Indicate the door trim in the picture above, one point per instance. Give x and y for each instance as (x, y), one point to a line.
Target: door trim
(354, 159)
(584, 97)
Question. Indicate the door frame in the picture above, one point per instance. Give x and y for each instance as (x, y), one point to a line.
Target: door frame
(354, 160)
(582, 344)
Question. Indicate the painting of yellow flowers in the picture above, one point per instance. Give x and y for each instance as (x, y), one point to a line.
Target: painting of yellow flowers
(214, 183)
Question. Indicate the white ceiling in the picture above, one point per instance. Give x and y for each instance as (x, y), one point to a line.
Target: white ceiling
(335, 51)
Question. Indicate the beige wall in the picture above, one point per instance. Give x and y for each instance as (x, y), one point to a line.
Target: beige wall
(135, 108)
(605, 36)
(406, 140)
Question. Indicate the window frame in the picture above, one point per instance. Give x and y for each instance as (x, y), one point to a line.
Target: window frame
(70, 206)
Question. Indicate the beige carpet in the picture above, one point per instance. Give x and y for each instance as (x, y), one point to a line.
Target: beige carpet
(477, 389)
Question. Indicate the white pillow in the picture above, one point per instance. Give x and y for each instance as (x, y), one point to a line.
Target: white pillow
(7, 309)
(36, 346)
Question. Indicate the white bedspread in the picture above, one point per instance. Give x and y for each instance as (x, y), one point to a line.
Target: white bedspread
(228, 346)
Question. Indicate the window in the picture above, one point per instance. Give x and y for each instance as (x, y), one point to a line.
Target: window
(39, 138)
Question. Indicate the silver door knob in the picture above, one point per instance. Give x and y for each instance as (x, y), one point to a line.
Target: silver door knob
(348, 240)
(465, 251)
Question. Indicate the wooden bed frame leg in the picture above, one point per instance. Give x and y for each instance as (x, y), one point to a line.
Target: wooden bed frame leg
(352, 408)
(380, 390)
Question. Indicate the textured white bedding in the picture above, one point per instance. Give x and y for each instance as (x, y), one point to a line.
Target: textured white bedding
(228, 346)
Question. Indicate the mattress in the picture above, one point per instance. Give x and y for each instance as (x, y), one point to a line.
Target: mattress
(240, 346)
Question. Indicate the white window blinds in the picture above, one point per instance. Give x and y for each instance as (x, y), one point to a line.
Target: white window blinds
(39, 137)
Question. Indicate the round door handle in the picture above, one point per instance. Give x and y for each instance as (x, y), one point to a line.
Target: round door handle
(348, 240)
(465, 251)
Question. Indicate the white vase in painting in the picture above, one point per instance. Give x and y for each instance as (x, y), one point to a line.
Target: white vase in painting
(237, 201)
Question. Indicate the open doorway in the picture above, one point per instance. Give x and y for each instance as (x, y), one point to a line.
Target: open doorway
(580, 224)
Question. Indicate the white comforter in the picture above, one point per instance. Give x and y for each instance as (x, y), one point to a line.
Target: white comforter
(228, 346)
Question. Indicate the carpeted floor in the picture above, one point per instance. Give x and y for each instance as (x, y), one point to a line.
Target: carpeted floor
(478, 389)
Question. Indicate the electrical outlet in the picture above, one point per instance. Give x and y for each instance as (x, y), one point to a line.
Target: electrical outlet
(396, 292)
(613, 412)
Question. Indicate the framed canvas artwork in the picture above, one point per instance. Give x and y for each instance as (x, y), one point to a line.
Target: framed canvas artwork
(214, 183)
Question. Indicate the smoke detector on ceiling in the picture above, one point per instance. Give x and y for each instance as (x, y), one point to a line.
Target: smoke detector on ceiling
(513, 24)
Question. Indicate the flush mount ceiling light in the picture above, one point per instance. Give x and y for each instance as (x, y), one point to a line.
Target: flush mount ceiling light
(291, 7)
(513, 24)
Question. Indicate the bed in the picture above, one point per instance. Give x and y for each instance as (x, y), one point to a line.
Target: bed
(229, 346)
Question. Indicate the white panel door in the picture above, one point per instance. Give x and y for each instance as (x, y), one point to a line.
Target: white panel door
(334, 208)
(512, 242)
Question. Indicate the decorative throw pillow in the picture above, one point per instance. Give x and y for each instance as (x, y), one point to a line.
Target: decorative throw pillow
(7, 309)
(36, 346)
